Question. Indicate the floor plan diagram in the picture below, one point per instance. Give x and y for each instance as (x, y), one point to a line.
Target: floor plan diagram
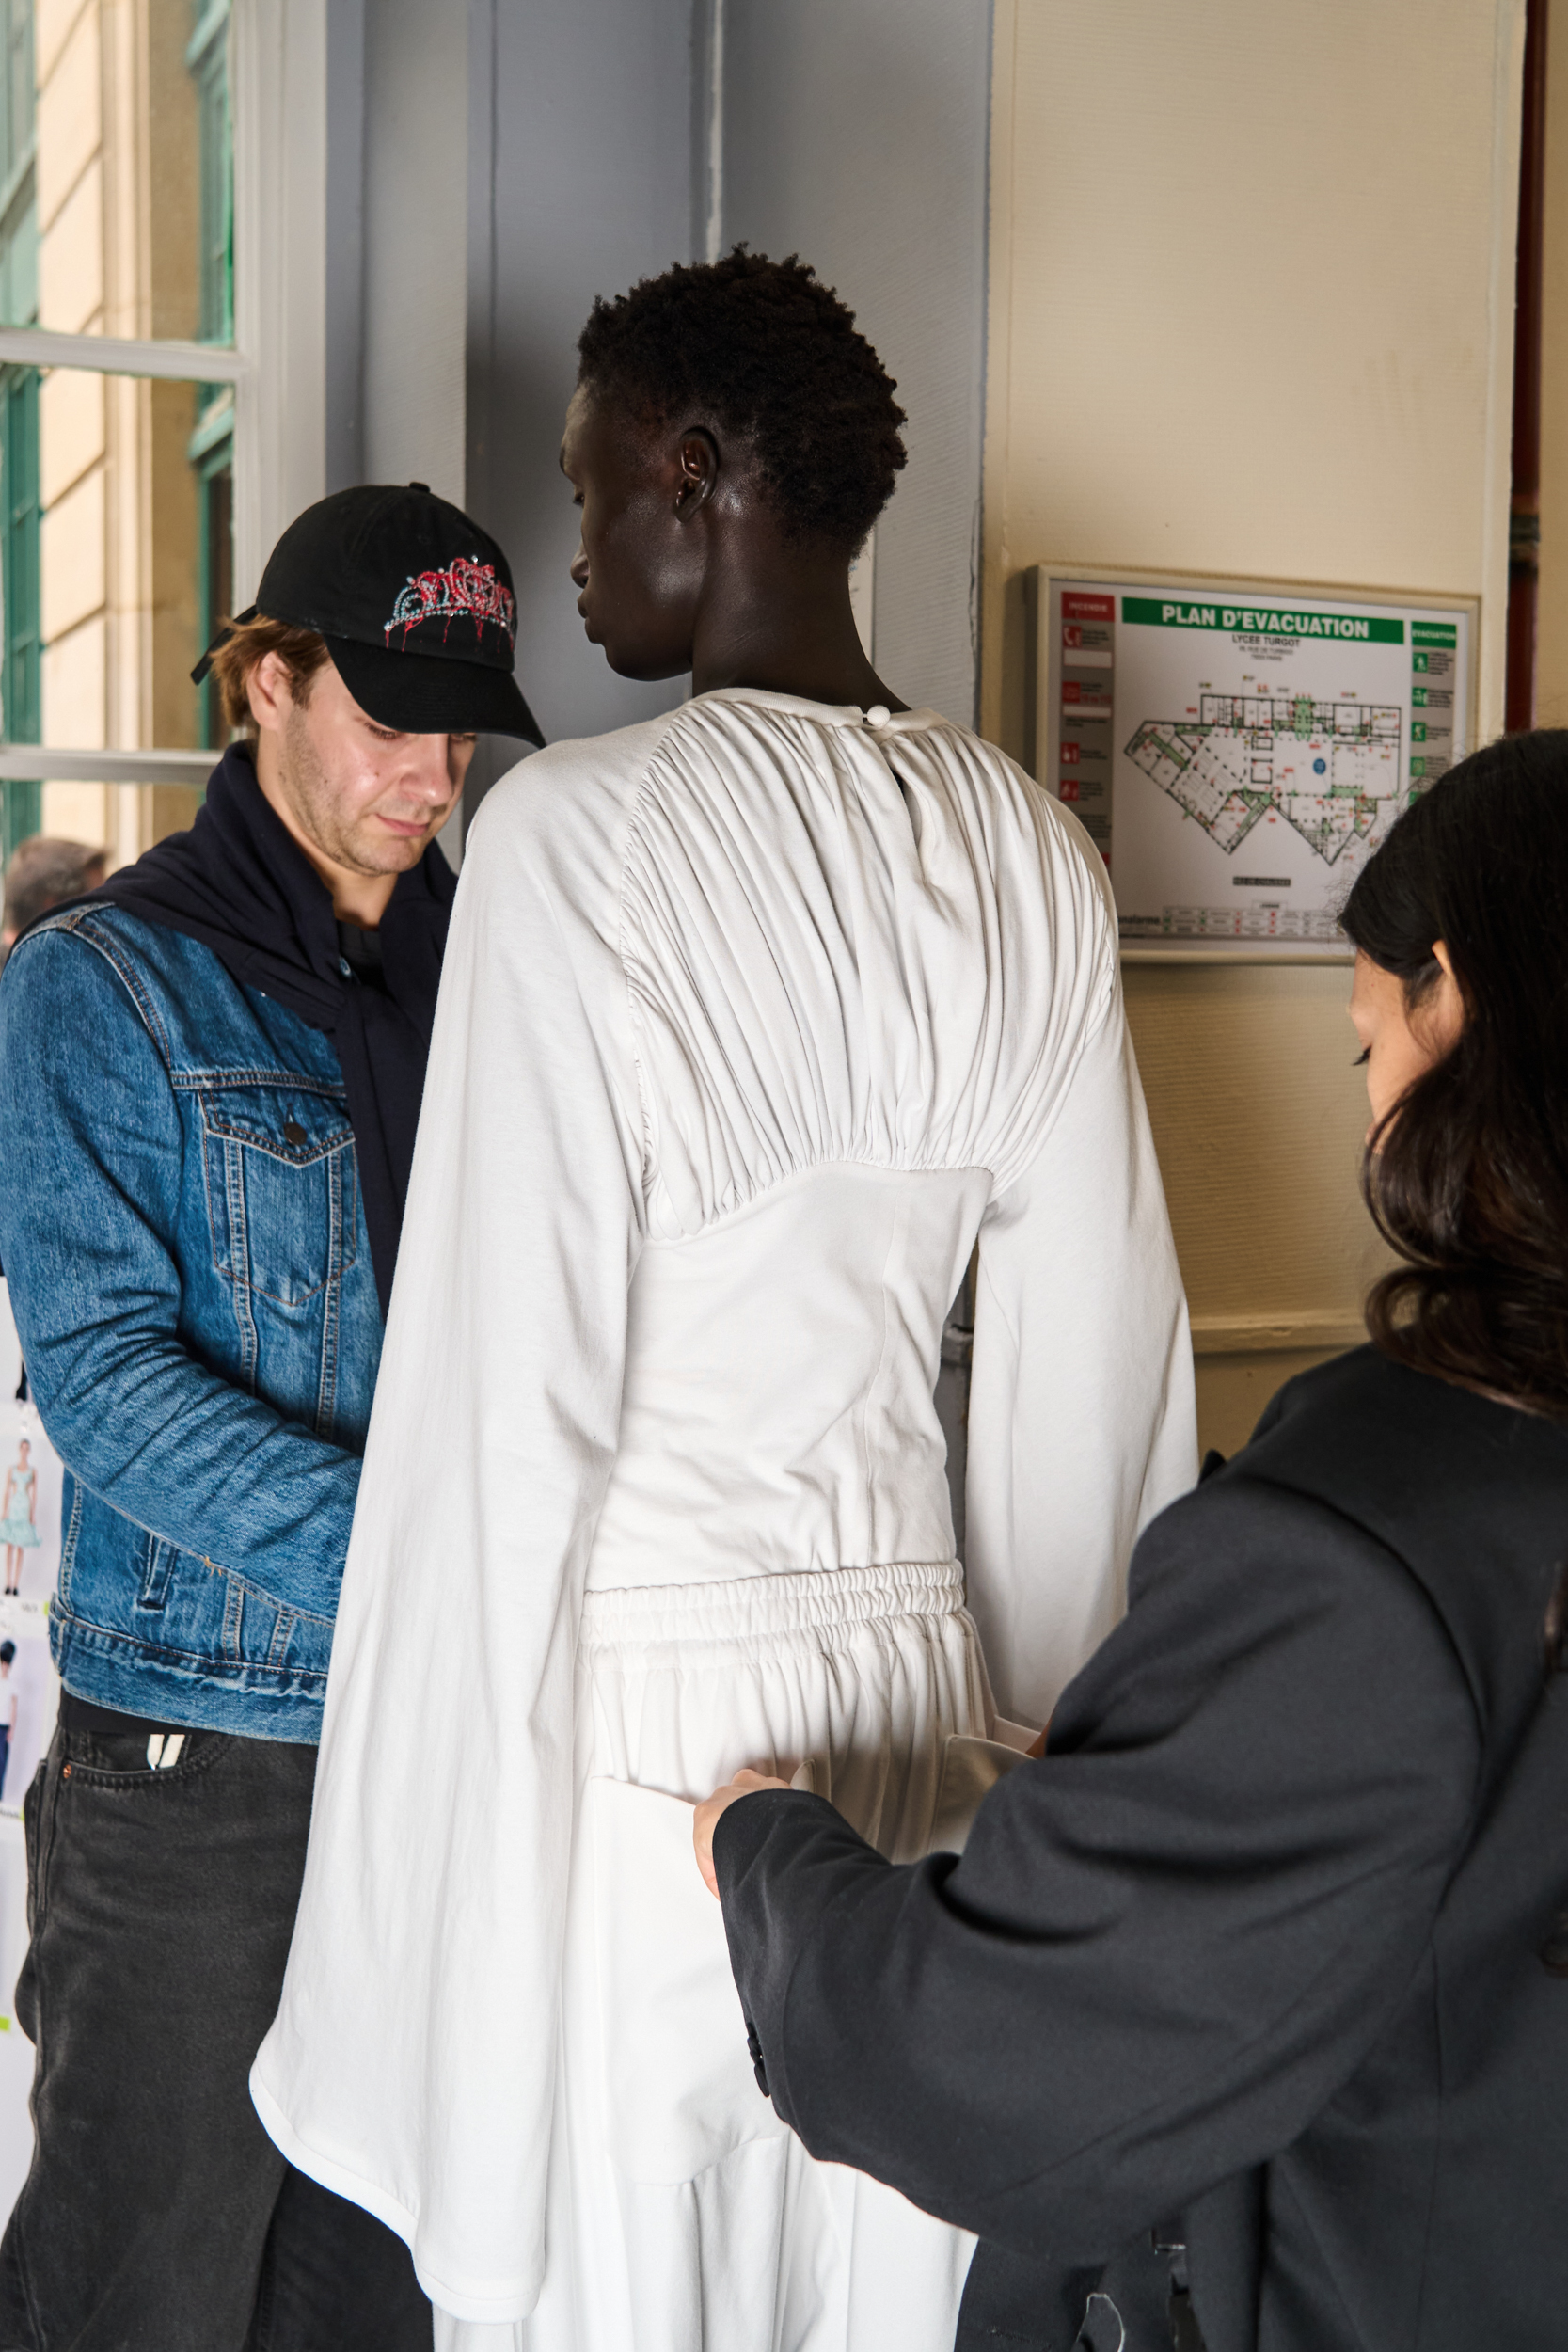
(1331, 769)
(1236, 753)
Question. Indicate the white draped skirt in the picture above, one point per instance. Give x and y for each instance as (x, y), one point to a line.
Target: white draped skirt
(683, 2216)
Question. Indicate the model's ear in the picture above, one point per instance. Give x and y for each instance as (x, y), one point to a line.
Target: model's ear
(699, 470)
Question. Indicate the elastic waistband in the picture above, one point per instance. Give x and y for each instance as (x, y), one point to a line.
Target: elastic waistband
(765, 1606)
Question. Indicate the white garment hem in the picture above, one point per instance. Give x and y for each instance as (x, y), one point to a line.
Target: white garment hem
(500, 2307)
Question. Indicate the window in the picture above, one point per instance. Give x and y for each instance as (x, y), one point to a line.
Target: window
(21, 797)
(22, 809)
(212, 445)
(118, 381)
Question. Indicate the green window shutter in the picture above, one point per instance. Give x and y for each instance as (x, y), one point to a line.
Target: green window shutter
(19, 682)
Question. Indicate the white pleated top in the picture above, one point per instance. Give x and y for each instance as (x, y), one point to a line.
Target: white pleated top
(755, 1018)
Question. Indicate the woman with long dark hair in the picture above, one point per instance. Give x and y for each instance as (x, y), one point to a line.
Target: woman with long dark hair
(1243, 2019)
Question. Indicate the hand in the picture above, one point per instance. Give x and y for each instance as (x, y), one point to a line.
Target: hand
(707, 1814)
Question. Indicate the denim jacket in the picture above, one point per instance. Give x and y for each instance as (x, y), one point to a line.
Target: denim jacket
(181, 1229)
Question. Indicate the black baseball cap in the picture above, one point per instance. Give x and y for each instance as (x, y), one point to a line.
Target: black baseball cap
(415, 602)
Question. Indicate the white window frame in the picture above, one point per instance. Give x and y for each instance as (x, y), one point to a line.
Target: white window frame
(278, 363)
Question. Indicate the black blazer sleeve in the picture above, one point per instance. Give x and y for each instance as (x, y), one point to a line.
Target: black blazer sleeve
(1170, 1942)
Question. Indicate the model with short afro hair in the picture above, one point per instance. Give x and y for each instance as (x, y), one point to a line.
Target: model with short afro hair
(772, 355)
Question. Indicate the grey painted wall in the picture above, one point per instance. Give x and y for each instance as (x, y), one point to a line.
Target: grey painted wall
(514, 158)
(414, 240)
(398, 81)
(345, 335)
(585, 106)
(855, 133)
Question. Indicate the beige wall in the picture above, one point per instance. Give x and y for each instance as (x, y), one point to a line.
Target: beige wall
(1251, 293)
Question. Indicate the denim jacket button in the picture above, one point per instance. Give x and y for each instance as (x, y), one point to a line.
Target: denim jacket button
(293, 1132)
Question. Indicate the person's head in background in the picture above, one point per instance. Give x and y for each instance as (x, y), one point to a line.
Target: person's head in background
(1459, 923)
(44, 873)
(8, 1651)
(732, 439)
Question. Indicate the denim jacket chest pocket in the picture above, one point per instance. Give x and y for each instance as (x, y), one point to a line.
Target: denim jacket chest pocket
(280, 1177)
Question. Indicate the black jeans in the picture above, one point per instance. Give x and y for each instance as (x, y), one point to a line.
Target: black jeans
(158, 2216)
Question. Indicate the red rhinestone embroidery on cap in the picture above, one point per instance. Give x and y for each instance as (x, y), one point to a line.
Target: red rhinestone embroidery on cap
(467, 587)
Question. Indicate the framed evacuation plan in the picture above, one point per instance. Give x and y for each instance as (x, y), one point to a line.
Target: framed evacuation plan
(1236, 750)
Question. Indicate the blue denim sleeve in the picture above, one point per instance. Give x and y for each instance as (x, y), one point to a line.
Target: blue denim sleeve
(91, 1156)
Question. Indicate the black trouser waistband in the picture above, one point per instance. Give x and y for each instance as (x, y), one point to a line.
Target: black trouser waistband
(87, 1716)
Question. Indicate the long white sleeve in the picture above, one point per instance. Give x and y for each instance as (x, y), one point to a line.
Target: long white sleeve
(411, 2066)
(1081, 1417)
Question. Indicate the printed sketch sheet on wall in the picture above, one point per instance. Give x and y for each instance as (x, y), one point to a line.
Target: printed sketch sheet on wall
(1237, 754)
(29, 1695)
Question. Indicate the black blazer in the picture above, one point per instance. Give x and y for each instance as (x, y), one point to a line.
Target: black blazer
(1257, 1947)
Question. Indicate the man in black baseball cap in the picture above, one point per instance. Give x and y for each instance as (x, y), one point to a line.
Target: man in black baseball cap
(379, 574)
(209, 1080)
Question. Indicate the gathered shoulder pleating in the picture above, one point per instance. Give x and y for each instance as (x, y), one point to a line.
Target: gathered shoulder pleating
(838, 949)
